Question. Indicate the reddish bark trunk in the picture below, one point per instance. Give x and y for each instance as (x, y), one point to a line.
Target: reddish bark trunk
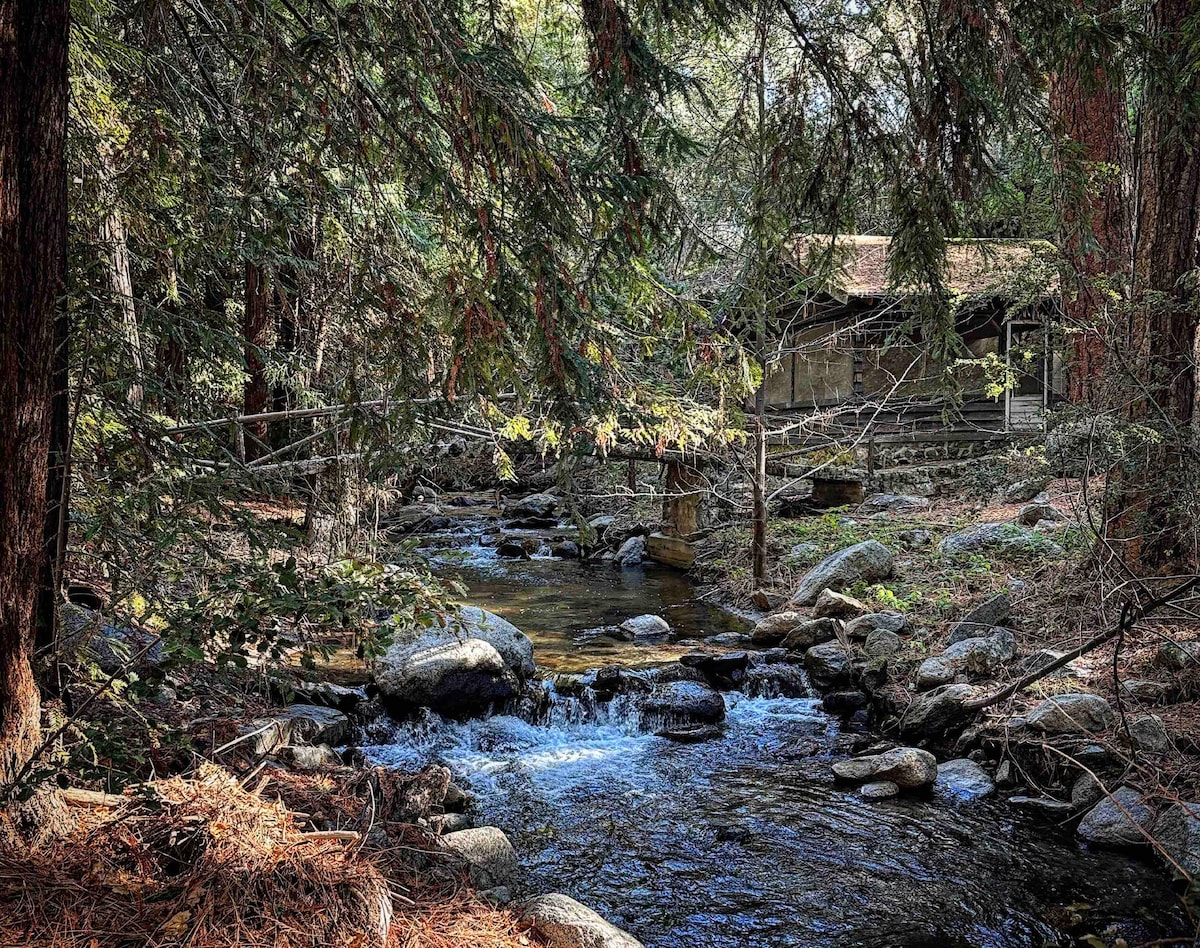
(1088, 98)
(1151, 522)
(33, 228)
(255, 323)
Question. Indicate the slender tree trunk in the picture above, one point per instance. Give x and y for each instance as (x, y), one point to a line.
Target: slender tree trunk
(255, 323)
(1155, 503)
(763, 254)
(1087, 96)
(759, 488)
(121, 275)
(58, 490)
(33, 229)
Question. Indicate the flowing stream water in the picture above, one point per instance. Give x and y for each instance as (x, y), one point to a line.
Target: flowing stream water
(746, 840)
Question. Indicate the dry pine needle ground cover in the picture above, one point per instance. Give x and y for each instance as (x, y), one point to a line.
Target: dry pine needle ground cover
(206, 862)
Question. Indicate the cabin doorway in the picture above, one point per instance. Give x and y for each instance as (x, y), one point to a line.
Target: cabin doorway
(1027, 357)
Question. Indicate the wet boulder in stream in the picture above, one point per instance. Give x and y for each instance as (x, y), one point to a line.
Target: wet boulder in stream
(1117, 821)
(476, 660)
(909, 768)
(765, 678)
(724, 667)
(681, 703)
(963, 779)
(829, 664)
(632, 551)
(645, 628)
(878, 790)
(535, 505)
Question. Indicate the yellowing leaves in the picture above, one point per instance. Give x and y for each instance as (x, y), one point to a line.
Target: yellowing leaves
(177, 925)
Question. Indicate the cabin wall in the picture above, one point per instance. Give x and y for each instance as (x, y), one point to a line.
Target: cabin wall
(817, 368)
(823, 373)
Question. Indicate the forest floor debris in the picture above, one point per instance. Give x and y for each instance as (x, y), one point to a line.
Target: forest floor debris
(204, 861)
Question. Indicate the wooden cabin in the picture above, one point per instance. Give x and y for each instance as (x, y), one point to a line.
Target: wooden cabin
(852, 353)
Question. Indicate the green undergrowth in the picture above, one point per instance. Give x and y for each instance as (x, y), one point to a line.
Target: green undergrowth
(932, 589)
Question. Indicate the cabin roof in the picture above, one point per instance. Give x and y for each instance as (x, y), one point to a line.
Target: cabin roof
(856, 266)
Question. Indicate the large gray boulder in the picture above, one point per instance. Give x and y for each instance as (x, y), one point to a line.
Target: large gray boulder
(829, 664)
(645, 628)
(909, 768)
(772, 629)
(1070, 714)
(535, 505)
(963, 779)
(561, 922)
(1178, 832)
(979, 656)
(1025, 490)
(935, 671)
(810, 633)
(112, 647)
(632, 551)
(1149, 735)
(868, 562)
(982, 618)
(475, 660)
(774, 680)
(838, 606)
(997, 538)
(936, 713)
(881, 643)
(863, 626)
(1117, 821)
(514, 646)
(490, 857)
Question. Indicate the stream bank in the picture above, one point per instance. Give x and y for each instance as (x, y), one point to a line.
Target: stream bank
(745, 838)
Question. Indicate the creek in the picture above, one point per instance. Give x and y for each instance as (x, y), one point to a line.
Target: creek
(746, 840)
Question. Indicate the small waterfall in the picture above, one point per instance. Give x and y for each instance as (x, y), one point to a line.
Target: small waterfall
(776, 680)
(586, 708)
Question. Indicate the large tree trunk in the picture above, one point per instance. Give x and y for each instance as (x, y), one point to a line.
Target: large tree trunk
(255, 323)
(33, 230)
(1151, 525)
(1087, 97)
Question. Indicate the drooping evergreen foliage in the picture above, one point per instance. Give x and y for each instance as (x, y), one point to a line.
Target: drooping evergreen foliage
(367, 225)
